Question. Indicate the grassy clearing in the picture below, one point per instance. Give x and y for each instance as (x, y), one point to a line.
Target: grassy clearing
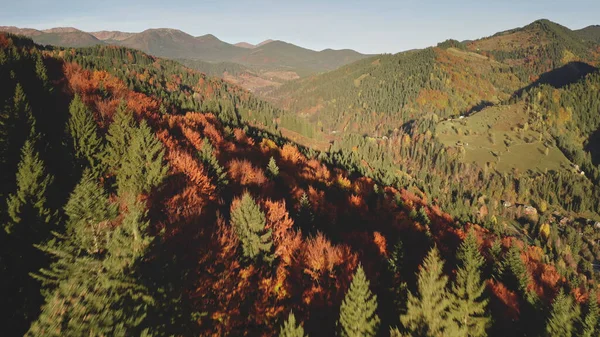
(499, 135)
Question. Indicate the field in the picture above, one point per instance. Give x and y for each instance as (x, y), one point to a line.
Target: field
(500, 135)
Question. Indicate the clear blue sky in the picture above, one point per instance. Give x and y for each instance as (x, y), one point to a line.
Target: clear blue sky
(375, 26)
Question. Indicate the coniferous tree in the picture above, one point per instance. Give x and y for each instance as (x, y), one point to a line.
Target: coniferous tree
(592, 317)
(142, 166)
(397, 287)
(84, 134)
(40, 70)
(469, 308)
(89, 214)
(118, 137)
(429, 311)
(30, 222)
(217, 172)
(562, 317)
(290, 328)
(249, 224)
(30, 198)
(358, 315)
(91, 288)
(16, 123)
(305, 217)
(272, 168)
(518, 272)
(423, 217)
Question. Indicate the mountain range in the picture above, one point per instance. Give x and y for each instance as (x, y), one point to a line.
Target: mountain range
(260, 67)
(175, 44)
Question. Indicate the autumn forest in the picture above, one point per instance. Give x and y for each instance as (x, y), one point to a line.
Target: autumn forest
(447, 191)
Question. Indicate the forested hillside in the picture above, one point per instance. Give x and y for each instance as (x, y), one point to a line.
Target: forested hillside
(143, 198)
(383, 92)
(591, 33)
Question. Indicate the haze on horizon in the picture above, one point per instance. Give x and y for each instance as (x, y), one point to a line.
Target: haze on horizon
(379, 26)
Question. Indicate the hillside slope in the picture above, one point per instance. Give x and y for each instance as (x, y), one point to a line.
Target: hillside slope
(384, 92)
(538, 47)
(63, 37)
(591, 33)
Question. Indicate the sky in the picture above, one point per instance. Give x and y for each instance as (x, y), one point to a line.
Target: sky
(368, 26)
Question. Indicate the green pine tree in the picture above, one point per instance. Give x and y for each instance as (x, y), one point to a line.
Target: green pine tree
(142, 166)
(215, 170)
(92, 288)
(272, 168)
(592, 317)
(40, 69)
(89, 213)
(118, 137)
(30, 198)
(518, 273)
(423, 217)
(470, 306)
(429, 311)
(248, 221)
(290, 328)
(16, 124)
(562, 317)
(305, 217)
(29, 223)
(84, 134)
(358, 316)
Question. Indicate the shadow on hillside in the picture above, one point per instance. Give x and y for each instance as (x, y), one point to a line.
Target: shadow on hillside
(480, 106)
(560, 77)
(593, 147)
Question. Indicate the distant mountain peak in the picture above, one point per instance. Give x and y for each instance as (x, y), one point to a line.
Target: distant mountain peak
(207, 37)
(116, 35)
(21, 31)
(62, 30)
(245, 45)
(264, 42)
(164, 31)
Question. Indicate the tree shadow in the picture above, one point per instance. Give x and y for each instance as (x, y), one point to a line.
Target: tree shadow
(593, 146)
(560, 77)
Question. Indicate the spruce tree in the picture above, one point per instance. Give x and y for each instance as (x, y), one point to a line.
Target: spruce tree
(248, 221)
(215, 170)
(305, 217)
(518, 273)
(290, 328)
(92, 288)
(89, 213)
(591, 319)
(30, 222)
(469, 308)
(429, 311)
(40, 69)
(84, 134)
(142, 165)
(118, 137)
(29, 201)
(358, 316)
(562, 317)
(16, 124)
(272, 168)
